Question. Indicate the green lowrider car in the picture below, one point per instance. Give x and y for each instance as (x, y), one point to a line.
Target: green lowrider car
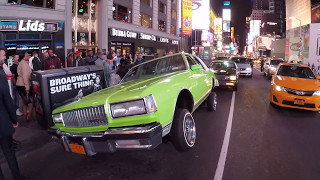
(154, 99)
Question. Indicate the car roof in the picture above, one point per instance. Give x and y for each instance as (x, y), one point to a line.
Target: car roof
(290, 64)
(222, 61)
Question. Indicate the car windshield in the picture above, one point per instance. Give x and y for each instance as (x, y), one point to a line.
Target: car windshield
(295, 71)
(240, 60)
(223, 65)
(276, 62)
(157, 67)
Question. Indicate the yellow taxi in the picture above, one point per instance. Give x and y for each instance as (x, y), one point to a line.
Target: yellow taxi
(295, 86)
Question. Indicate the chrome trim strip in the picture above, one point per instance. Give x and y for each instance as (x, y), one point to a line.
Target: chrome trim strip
(114, 131)
(133, 146)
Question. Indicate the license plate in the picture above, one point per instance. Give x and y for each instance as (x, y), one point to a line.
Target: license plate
(299, 102)
(77, 148)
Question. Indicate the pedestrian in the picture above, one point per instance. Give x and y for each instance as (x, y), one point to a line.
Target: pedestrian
(123, 68)
(111, 77)
(139, 59)
(24, 86)
(35, 63)
(70, 59)
(16, 96)
(130, 58)
(262, 64)
(8, 122)
(170, 53)
(78, 60)
(52, 62)
(90, 59)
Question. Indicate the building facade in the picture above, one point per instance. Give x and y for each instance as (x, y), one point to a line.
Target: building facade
(301, 10)
(147, 26)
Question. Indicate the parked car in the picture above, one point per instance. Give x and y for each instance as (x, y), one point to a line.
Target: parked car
(295, 86)
(270, 67)
(153, 100)
(226, 73)
(243, 65)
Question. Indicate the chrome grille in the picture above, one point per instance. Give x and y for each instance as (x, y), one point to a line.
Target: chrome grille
(85, 117)
(299, 93)
(243, 69)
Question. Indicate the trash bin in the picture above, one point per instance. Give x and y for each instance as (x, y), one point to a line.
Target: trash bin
(57, 87)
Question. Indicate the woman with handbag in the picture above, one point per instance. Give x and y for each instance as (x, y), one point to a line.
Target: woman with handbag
(24, 86)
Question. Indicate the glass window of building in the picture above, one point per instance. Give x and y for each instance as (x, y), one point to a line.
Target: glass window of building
(35, 3)
(173, 14)
(93, 8)
(121, 13)
(147, 2)
(83, 7)
(173, 29)
(84, 35)
(13, 2)
(145, 20)
(162, 25)
(50, 4)
(162, 8)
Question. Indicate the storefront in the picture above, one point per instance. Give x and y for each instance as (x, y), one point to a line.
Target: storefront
(124, 41)
(25, 35)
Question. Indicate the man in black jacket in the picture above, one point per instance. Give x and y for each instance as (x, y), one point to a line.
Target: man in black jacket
(8, 122)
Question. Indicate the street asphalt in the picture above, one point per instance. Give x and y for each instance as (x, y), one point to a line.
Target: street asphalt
(265, 143)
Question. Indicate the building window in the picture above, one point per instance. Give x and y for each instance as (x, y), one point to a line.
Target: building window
(121, 13)
(50, 4)
(145, 20)
(14, 2)
(162, 26)
(83, 7)
(173, 14)
(147, 2)
(162, 8)
(35, 3)
(93, 8)
(173, 29)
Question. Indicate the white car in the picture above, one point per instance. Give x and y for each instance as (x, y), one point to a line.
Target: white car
(244, 67)
(271, 66)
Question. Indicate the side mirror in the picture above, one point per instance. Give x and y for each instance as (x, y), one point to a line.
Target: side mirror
(272, 73)
(196, 67)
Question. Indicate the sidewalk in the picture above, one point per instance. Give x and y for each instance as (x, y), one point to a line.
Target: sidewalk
(31, 135)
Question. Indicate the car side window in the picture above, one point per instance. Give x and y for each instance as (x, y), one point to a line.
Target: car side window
(198, 62)
(191, 61)
(170, 64)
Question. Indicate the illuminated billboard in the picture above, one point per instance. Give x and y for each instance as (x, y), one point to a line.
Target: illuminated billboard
(232, 34)
(186, 18)
(218, 27)
(255, 27)
(226, 26)
(201, 14)
(226, 14)
(212, 20)
(226, 3)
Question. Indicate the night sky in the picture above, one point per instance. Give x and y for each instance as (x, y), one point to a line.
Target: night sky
(240, 9)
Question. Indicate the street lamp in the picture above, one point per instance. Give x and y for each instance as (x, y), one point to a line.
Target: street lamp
(300, 36)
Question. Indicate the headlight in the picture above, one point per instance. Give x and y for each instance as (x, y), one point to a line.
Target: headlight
(279, 88)
(233, 78)
(248, 69)
(137, 107)
(57, 118)
(316, 93)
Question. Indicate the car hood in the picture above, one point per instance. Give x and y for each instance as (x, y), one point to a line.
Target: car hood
(122, 92)
(240, 65)
(297, 83)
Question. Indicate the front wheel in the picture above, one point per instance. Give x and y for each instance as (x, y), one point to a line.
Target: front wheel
(183, 132)
(212, 102)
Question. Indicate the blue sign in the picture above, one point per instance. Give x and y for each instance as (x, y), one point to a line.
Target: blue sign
(8, 25)
(226, 3)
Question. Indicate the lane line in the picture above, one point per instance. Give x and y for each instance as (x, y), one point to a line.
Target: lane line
(258, 69)
(224, 150)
